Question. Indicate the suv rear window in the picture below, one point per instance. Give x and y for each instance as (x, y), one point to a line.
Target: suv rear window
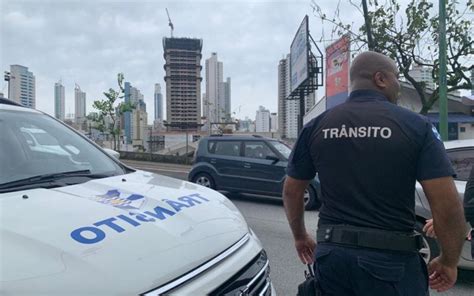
(228, 148)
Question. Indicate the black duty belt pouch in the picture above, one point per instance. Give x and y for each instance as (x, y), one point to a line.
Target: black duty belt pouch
(310, 287)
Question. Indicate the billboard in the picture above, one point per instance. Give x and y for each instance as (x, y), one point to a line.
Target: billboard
(337, 71)
(299, 52)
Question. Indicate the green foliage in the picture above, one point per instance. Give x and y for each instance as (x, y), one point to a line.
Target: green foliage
(110, 109)
(411, 38)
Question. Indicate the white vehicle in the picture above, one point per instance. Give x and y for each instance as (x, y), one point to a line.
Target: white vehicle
(89, 225)
(461, 154)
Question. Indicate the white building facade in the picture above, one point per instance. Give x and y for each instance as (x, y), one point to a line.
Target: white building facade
(273, 122)
(59, 101)
(262, 120)
(217, 98)
(79, 104)
(22, 86)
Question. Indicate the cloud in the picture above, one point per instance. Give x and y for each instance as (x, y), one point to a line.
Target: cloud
(89, 42)
(18, 19)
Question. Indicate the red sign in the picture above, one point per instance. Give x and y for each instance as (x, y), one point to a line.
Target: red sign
(337, 68)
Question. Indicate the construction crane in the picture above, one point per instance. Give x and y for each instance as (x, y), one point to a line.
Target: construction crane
(170, 23)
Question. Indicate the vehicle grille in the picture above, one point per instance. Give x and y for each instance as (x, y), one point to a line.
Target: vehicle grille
(253, 279)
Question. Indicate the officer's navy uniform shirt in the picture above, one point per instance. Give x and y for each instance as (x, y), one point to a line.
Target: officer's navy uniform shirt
(368, 153)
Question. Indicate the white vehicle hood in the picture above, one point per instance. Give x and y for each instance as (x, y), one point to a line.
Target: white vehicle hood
(122, 235)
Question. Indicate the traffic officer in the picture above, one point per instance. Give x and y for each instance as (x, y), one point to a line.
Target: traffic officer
(368, 153)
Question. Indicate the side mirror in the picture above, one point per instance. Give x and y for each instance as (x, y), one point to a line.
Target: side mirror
(112, 153)
(274, 158)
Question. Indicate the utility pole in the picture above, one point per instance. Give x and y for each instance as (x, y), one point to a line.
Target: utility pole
(368, 26)
(443, 100)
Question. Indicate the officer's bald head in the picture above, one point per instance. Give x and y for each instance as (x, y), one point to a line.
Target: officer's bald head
(375, 71)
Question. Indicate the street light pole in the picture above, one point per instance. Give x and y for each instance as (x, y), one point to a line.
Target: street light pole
(443, 100)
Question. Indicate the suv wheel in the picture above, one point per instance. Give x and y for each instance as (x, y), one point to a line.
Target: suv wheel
(310, 199)
(430, 248)
(205, 180)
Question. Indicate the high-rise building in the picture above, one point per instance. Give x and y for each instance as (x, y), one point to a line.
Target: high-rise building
(289, 110)
(158, 98)
(283, 92)
(22, 86)
(422, 74)
(59, 101)
(262, 120)
(273, 122)
(183, 82)
(139, 124)
(79, 104)
(224, 102)
(217, 99)
(214, 77)
(131, 124)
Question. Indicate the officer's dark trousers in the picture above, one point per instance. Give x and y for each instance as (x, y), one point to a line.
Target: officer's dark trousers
(346, 271)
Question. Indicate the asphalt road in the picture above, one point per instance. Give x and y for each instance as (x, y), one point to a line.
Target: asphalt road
(267, 218)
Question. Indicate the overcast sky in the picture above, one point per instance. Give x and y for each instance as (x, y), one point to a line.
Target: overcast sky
(89, 42)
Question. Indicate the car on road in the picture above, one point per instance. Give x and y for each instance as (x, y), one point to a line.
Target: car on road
(86, 224)
(246, 164)
(461, 154)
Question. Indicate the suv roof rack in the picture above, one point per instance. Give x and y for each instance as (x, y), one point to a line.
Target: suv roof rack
(9, 102)
(257, 136)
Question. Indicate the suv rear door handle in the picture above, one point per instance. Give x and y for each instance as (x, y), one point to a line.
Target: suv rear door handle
(213, 160)
(247, 165)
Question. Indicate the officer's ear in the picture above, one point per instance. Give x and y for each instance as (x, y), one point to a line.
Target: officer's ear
(380, 79)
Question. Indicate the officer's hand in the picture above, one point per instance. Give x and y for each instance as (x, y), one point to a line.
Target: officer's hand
(305, 247)
(441, 276)
(429, 228)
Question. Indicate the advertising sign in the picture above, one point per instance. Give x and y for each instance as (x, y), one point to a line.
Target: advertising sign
(337, 71)
(299, 56)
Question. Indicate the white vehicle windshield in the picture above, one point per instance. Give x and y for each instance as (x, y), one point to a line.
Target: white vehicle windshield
(33, 144)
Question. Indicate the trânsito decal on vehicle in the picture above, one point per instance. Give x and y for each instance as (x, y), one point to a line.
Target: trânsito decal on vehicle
(97, 232)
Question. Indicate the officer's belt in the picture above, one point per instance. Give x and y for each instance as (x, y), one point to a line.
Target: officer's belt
(369, 238)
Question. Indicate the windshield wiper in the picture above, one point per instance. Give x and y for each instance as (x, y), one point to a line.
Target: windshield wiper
(51, 177)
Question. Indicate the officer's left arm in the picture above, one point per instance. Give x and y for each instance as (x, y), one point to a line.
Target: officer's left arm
(293, 199)
(300, 172)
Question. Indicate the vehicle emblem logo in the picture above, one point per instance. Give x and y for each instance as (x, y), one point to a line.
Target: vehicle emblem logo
(115, 199)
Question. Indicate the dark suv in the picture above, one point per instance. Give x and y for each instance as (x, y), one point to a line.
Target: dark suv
(246, 164)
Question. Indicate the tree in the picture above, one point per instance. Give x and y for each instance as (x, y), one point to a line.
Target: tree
(412, 39)
(110, 109)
